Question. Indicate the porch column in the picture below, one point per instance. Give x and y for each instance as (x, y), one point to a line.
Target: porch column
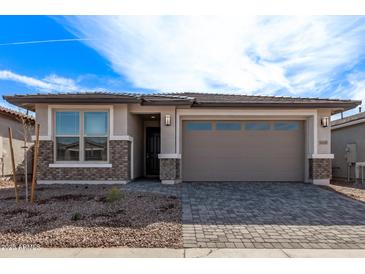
(170, 161)
(319, 163)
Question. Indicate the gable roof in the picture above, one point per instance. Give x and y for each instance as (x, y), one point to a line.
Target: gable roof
(16, 115)
(192, 99)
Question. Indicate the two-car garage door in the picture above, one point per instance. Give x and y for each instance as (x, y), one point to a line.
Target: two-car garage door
(243, 151)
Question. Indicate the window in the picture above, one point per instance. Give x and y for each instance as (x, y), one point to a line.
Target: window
(95, 132)
(92, 140)
(67, 136)
(229, 126)
(199, 126)
(257, 126)
(286, 126)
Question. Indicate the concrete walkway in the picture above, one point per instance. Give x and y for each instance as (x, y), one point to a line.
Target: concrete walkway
(181, 253)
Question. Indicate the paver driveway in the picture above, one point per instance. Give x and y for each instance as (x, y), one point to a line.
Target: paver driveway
(266, 215)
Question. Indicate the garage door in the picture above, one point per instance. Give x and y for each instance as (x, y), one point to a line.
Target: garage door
(243, 151)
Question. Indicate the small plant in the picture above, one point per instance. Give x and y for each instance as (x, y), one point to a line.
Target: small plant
(113, 194)
(76, 216)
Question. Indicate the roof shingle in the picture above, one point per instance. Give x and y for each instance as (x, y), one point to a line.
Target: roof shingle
(193, 99)
(16, 115)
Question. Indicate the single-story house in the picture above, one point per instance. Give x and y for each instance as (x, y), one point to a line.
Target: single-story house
(117, 137)
(348, 146)
(15, 120)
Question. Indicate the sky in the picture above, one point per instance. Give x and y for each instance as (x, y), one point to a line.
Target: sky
(318, 56)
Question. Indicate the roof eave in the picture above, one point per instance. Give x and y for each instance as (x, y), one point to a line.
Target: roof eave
(29, 102)
(336, 107)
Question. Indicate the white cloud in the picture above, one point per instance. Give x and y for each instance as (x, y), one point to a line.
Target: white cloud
(267, 55)
(354, 88)
(29, 81)
(357, 86)
(50, 83)
(62, 84)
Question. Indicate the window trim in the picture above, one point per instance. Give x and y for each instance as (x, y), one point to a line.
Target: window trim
(81, 135)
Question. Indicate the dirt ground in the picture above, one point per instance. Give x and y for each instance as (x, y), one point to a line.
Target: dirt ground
(81, 216)
(352, 190)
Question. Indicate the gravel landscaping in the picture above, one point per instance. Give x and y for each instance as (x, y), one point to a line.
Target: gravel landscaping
(353, 190)
(82, 216)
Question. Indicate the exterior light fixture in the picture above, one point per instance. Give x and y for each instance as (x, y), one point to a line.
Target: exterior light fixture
(167, 120)
(325, 121)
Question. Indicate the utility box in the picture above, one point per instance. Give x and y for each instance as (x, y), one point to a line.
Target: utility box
(350, 154)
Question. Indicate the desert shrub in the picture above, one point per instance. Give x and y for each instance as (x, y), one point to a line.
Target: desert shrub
(76, 216)
(114, 194)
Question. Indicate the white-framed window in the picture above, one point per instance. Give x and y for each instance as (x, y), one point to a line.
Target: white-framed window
(81, 136)
(96, 136)
(67, 136)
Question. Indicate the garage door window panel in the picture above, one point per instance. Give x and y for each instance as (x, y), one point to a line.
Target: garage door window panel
(257, 126)
(286, 126)
(199, 126)
(228, 126)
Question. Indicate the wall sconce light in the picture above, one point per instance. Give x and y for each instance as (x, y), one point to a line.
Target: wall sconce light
(325, 121)
(167, 120)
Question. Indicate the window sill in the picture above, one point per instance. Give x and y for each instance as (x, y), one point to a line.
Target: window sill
(81, 165)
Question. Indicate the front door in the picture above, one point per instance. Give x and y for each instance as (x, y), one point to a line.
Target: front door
(152, 151)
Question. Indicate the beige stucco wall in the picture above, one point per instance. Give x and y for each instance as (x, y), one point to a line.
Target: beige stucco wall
(127, 123)
(135, 130)
(119, 122)
(167, 132)
(41, 116)
(120, 119)
(5, 155)
(324, 133)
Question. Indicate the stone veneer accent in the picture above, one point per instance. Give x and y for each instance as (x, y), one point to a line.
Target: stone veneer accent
(320, 168)
(169, 169)
(119, 156)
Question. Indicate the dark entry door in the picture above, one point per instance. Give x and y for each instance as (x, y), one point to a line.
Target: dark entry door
(152, 151)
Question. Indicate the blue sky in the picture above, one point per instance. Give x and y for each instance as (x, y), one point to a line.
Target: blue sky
(320, 56)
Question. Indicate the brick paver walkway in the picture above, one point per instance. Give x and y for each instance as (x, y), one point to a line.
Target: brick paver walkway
(265, 215)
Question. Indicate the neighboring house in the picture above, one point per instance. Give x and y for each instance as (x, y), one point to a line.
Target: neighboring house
(348, 145)
(14, 120)
(115, 137)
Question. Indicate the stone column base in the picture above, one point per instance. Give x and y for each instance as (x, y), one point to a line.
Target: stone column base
(320, 170)
(170, 170)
